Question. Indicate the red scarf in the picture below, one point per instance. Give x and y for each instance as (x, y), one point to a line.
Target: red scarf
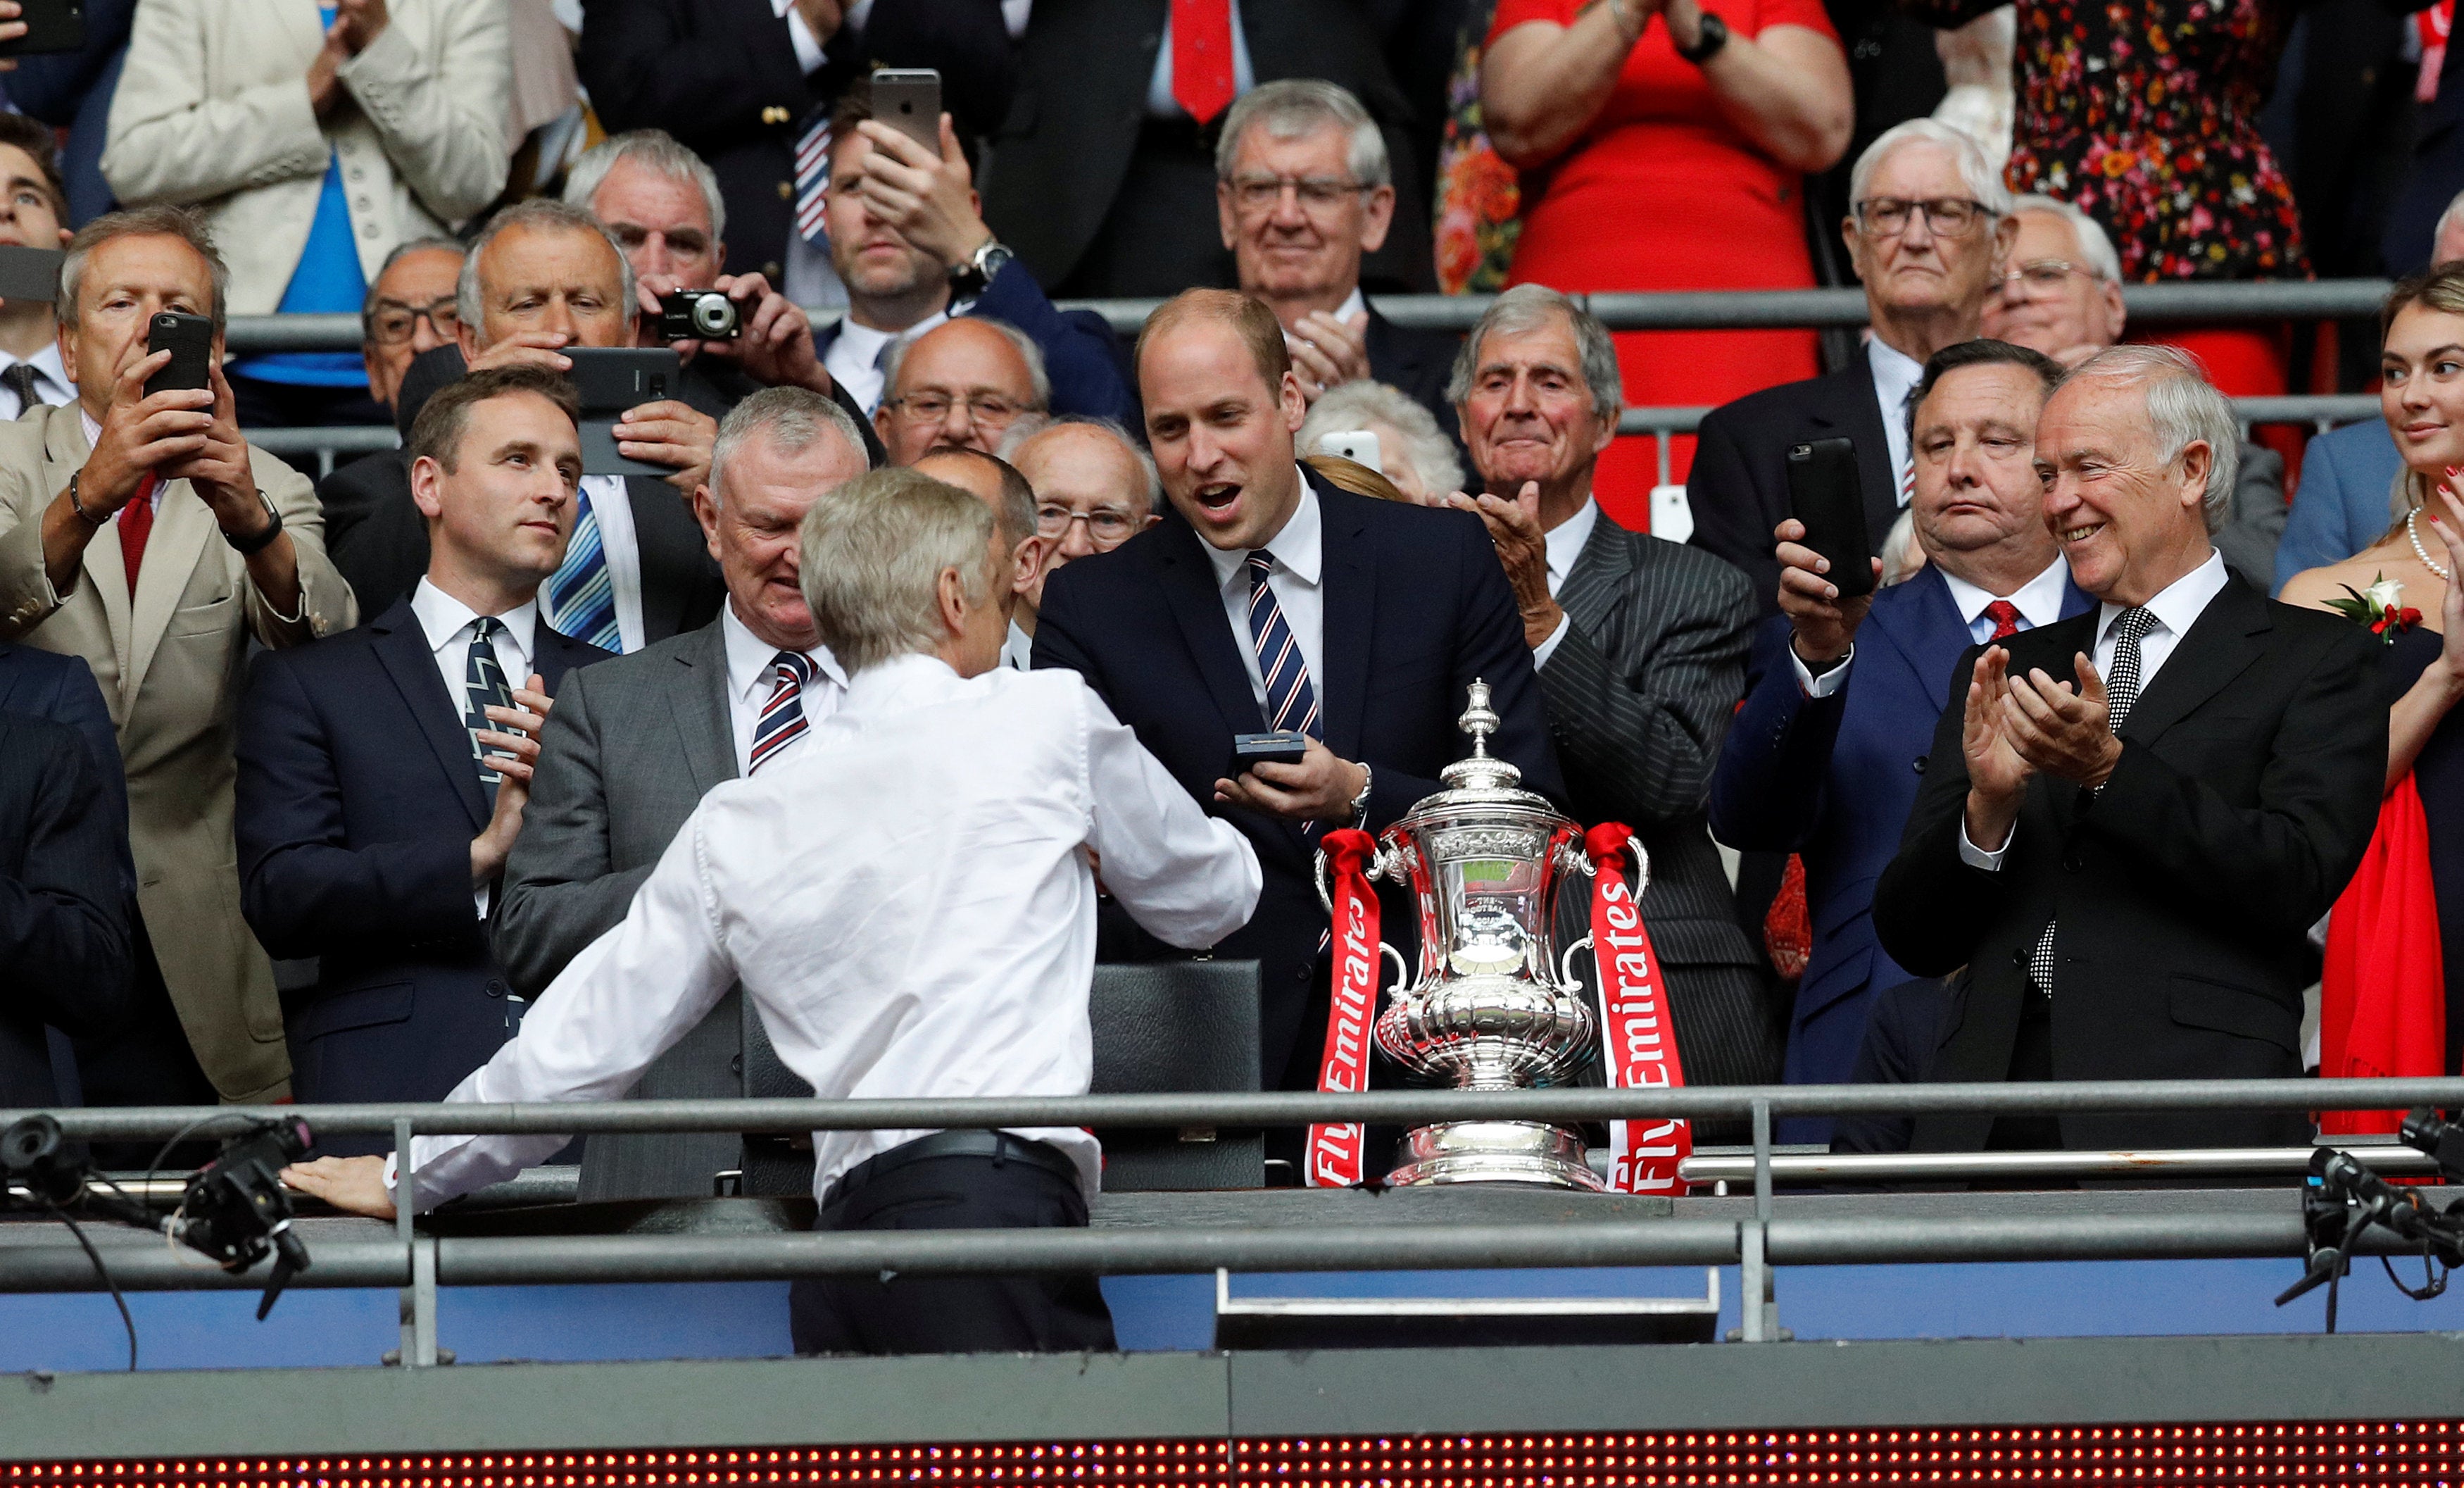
(2383, 1003)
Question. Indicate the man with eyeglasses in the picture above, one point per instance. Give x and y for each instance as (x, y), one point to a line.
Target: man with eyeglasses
(2061, 294)
(1095, 488)
(1928, 229)
(1304, 191)
(907, 239)
(964, 381)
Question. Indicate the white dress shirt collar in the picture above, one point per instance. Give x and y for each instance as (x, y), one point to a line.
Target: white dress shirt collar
(855, 357)
(749, 658)
(51, 384)
(1565, 542)
(1298, 549)
(1896, 374)
(2178, 605)
(1017, 652)
(2038, 601)
(447, 621)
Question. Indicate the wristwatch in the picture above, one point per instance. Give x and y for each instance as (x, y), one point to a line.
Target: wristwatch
(1708, 45)
(973, 277)
(1360, 802)
(250, 548)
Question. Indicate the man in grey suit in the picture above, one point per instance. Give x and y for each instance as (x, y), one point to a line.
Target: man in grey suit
(635, 742)
(1640, 646)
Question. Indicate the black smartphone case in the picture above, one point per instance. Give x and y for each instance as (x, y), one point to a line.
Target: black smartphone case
(51, 26)
(190, 341)
(1825, 494)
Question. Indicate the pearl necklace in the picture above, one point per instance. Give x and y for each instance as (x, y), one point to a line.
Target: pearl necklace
(2418, 550)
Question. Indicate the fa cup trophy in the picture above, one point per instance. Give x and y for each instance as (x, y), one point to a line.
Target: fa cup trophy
(1494, 1005)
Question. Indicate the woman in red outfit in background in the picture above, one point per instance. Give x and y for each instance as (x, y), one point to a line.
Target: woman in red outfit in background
(1644, 170)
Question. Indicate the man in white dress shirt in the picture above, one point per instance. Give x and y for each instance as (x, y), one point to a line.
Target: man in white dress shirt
(31, 216)
(2133, 816)
(1930, 229)
(383, 772)
(911, 907)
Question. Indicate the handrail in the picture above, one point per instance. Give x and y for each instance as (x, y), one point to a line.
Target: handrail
(1270, 1108)
(1744, 309)
(2157, 1162)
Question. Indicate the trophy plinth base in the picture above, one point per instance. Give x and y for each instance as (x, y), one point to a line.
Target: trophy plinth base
(1523, 1152)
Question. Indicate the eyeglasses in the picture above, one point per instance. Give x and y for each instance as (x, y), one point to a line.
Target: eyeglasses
(1107, 525)
(1946, 216)
(393, 323)
(931, 408)
(1318, 194)
(2044, 276)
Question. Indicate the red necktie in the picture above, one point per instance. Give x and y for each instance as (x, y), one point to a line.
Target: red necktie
(1201, 56)
(135, 521)
(2005, 619)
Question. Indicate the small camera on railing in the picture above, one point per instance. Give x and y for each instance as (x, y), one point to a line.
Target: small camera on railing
(698, 315)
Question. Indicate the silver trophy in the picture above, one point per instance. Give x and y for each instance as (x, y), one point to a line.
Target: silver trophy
(1495, 1006)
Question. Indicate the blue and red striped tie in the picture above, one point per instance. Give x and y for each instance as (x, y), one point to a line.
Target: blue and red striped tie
(782, 717)
(1291, 702)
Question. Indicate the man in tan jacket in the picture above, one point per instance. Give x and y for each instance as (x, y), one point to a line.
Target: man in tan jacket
(144, 534)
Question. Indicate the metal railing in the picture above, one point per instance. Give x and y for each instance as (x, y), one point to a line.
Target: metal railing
(1758, 1243)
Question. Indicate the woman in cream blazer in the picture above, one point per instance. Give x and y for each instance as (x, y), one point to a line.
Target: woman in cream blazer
(213, 110)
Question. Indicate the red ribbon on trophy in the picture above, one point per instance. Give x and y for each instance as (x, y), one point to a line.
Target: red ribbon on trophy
(1335, 1149)
(1637, 1040)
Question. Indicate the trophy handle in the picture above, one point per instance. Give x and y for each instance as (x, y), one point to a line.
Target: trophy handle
(1402, 972)
(1566, 966)
(1378, 867)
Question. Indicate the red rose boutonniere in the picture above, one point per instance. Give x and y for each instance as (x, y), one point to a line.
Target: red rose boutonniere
(2381, 606)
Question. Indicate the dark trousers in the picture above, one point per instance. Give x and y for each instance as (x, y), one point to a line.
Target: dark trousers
(146, 1062)
(2031, 1059)
(952, 1315)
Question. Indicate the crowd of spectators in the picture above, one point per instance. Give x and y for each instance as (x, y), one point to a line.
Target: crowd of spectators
(315, 790)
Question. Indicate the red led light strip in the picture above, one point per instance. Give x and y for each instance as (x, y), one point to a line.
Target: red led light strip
(2314, 1452)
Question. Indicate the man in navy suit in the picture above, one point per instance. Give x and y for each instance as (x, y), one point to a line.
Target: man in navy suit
(1277, 601)
(1825, 755)
(909, 240)
(383, 772)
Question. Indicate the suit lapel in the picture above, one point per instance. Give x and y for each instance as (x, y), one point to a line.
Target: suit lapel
(700, 709)
(1188, 582)
(64, 453)
(1926, 628)
(182, 523)
(659, 599)
(1598, 581)
(2225, 641)
(1348, 583)
(557, 654)
(402, 646)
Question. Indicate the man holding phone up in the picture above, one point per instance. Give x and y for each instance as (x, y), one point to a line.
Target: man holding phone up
(140, 531)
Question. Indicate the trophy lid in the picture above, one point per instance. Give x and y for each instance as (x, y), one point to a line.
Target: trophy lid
(1480, 771)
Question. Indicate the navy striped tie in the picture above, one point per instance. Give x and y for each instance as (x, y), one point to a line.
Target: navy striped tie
(1291, 702)
(782, 717)
(580, 596)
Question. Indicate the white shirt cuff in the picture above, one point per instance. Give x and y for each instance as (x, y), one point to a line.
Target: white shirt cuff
(810, 55)
(1828, 683)
(1541, 652)
(1975, 856)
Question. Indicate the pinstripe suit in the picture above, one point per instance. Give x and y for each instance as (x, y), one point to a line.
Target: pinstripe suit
(1639, 692)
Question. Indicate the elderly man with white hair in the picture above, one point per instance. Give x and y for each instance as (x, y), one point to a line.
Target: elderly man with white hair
(1095, 488)
(2131, 816)
(2061, 294)
(911, 905)
(1928, 226)
(1640, 644)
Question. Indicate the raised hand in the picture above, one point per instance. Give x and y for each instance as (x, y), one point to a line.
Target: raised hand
(2063, 730)
(1997, 773)
(1823, 624)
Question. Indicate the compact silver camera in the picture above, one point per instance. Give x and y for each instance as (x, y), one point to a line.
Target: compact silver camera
(698, 315)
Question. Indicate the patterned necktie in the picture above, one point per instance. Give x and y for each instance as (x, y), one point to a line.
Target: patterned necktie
(2121, 693)
(782, 718)
(2005, 616)
(1290, 702)
(18, 377)
(580, 596)
(136, 524)
(813, 183)
(483, 685)
(1201, 56)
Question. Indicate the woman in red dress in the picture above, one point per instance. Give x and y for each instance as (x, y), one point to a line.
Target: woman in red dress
(1645, 170)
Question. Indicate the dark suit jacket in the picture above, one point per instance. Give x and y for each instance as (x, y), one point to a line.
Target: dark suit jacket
(1833, 778)
(73, 91)
(721, 76)
(1080, 354)
(384, 549)
(64, 901)
(1738, 487)
(1062, 156)
(1418, 362)
(2248, 787)
(357, 801)
(48, 685)
(1417, 608)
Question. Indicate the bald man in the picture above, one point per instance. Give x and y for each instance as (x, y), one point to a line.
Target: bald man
(997, 484)
(964, 381)
(1094, 489)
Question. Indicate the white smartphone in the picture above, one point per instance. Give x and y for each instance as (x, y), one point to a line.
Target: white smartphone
(1358, 445)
